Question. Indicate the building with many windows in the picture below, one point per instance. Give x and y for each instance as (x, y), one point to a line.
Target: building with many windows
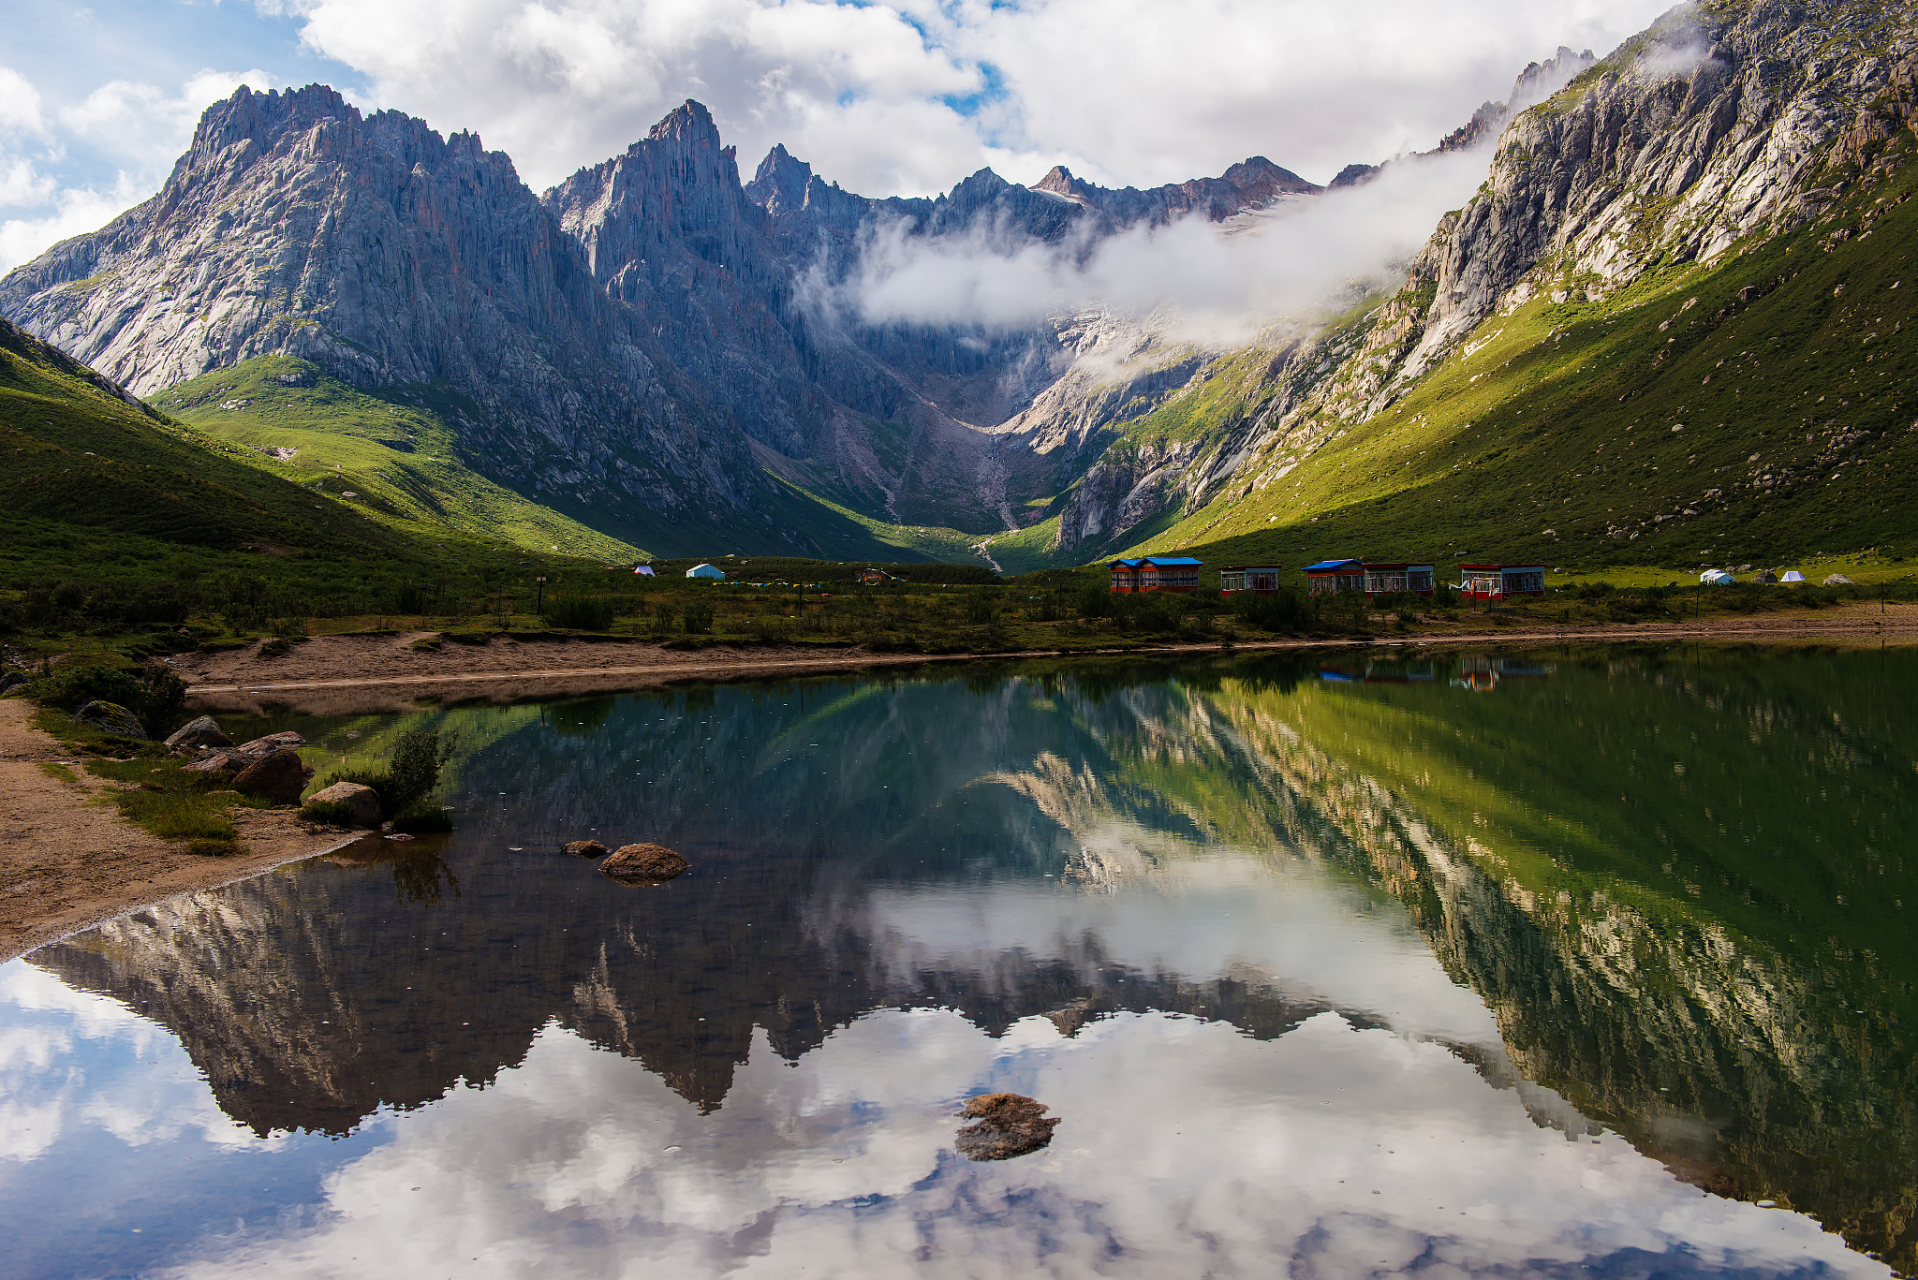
(1156, 573)
(1249, 577)
(1497, 581)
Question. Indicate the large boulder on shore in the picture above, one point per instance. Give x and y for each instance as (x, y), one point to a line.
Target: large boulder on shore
(643, 864)
(362, 800)
(204, 732)
(279, 776)
(110, 717)
(217, 761)
(1005, 1125)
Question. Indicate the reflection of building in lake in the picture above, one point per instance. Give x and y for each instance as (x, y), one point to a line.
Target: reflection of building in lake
(1482, 674)
(1380, 673)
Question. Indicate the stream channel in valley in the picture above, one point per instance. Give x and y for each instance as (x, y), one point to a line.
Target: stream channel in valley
(1548, 964)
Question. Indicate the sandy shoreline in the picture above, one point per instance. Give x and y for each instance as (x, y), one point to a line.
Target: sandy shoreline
(68, 861)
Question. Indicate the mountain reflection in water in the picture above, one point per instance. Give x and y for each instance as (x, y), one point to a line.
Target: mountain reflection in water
(1366, 972)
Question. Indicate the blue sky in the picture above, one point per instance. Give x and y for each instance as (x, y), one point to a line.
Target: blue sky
(97, 100)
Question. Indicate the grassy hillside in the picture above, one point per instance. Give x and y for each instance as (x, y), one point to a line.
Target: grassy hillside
(116, 513)
(394, 453)
(1753, 411)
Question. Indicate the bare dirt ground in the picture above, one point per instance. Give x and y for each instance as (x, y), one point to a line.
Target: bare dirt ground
(342, 675)
(69, 861)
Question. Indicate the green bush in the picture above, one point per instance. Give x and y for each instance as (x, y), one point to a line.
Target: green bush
(581, 613)
(697, 620)
(275, 647)
(1286, 610)
(418, 756)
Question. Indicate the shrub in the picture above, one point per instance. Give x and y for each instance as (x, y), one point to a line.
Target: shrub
(275, 647)
(581, 613)
(1285, 610)
(418, 757)
(697, 620)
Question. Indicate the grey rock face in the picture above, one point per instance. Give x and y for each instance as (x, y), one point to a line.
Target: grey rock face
(390, 257)
(110, 717)
(203, 732)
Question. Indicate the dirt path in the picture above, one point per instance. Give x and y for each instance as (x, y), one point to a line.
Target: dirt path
(69, 861)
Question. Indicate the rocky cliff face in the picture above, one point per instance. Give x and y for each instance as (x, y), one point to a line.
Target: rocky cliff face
(1723, 125)
(393, 258)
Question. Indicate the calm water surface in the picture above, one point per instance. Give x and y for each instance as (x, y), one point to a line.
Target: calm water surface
(1559, 965)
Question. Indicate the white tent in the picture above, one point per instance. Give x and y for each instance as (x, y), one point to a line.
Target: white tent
(706, 571)
(646, 570)
(1716, 578)
(1792, 575)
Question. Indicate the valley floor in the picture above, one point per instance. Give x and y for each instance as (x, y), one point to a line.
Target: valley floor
(69, 861)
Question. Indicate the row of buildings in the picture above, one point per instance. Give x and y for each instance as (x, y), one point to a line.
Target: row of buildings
(1329, 577)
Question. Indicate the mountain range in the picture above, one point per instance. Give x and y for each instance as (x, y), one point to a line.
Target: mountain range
(658, 356)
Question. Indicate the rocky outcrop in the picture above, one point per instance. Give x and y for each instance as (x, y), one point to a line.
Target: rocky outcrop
(394, 259)
(1715, 126)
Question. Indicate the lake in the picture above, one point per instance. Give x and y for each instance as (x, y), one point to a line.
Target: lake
(1552, 964)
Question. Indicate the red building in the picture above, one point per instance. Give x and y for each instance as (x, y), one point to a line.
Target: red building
(1249, 577)
(1156, 573)
(1498, 581)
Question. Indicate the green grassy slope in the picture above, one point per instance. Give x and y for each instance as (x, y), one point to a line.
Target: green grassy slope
(101, 491)
(395, 452)
(1671, 424)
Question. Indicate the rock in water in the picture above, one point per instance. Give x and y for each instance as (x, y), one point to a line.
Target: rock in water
(271, 742)
(1004, 1125)
(586, 849)
(110, 717)
(279, 776)
(204, 732)
(363, 800)
(643, 864)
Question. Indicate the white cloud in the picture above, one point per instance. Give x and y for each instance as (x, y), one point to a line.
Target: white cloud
(907, 98)
(1207, 282)
(138, 129)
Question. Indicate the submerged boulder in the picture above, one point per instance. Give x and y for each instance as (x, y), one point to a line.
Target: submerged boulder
(279, 776)
(271, 742)
(584, 849)
(1004, 1125)
(362, 800)
(110, 717)
(204, 732)
(644, 864)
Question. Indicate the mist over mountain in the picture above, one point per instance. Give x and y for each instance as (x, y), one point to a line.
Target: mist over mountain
(694, 361)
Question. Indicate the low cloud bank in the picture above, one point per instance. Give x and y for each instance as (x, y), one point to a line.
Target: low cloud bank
(1217, 284)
